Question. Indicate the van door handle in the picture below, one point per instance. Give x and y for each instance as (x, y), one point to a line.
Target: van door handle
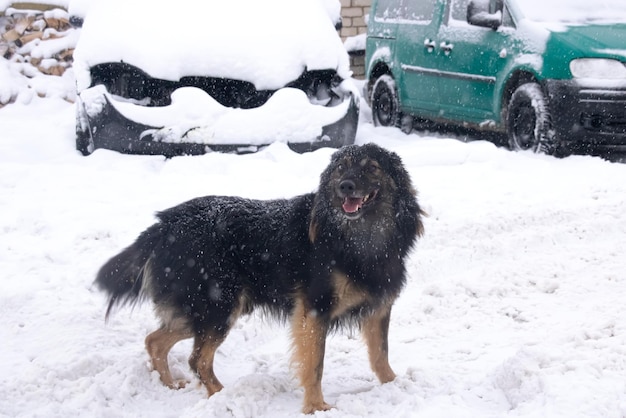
(429, 44)
(446, 47)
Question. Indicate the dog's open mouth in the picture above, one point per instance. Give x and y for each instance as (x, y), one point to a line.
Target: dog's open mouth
(352, 205)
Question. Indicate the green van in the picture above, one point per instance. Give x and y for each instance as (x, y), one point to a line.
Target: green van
(551, 74)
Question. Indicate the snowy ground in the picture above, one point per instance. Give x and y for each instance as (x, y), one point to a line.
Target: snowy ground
(514, 306)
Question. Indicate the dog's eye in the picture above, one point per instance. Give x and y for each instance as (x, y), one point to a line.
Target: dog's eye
(341, 168)
(373, 168)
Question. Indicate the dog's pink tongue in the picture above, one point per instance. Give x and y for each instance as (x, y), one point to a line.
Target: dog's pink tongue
(351, 204)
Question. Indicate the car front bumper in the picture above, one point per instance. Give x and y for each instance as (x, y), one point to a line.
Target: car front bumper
(195, 123)
(589, 113)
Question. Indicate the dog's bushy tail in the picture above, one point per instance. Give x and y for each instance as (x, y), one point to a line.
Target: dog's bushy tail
(125, 276)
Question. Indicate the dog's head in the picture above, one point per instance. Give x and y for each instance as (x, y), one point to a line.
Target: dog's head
(364, 185)
(360, 181)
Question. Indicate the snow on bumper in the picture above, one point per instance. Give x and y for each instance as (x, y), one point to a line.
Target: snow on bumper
(195, 123)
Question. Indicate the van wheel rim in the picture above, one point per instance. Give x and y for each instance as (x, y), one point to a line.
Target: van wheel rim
(384, 109)
(525, 125)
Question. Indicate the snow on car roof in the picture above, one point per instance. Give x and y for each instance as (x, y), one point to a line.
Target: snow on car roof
(268, 43)
(574, 11)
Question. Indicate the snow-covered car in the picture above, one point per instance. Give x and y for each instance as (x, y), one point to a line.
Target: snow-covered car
(192, 77)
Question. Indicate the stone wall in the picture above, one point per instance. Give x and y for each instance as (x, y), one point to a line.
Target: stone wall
(353, 14)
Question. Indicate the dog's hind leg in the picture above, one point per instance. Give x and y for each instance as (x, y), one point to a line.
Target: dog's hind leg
(375, 331)
(309, 343)
(216, 327)
(201, 360)
(158, 344)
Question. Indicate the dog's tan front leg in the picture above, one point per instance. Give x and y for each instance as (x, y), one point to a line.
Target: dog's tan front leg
(309, 342)
(376, 331)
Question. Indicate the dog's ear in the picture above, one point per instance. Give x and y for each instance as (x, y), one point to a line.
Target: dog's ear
(420, 225)
(420, 213)
(316, 209)
(410, 211)
(313, 226)
(312, 229)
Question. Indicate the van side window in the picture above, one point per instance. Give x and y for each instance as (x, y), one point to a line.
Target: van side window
(419, 10)
(388, 9)
(507, 20)
(458, 10)
(413, 10)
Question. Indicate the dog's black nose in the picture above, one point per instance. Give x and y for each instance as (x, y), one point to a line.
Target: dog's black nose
(347, 187)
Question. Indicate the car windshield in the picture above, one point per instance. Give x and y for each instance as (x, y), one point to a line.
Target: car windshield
(574, 11)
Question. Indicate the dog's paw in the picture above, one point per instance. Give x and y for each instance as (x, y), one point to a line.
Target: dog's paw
(178, 384)
(314, 407)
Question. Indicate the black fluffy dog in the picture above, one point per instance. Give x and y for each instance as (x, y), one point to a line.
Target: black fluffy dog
(322, 260)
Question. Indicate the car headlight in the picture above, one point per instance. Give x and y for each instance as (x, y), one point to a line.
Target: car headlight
(598, 68)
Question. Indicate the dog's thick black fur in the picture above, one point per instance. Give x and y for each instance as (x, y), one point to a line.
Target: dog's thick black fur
(326, 259)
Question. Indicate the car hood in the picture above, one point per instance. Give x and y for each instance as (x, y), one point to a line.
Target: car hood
(268, 43)
(600, 40)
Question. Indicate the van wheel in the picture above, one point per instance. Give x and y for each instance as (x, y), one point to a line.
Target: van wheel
(385, 107)
(529, 124)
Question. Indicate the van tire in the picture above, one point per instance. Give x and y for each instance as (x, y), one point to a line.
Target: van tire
(528, 121)
(385, 105)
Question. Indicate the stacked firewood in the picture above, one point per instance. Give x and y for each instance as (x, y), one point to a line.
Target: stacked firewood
(36, 37)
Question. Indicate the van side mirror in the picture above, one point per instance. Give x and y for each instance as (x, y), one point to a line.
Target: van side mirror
(478, 15)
